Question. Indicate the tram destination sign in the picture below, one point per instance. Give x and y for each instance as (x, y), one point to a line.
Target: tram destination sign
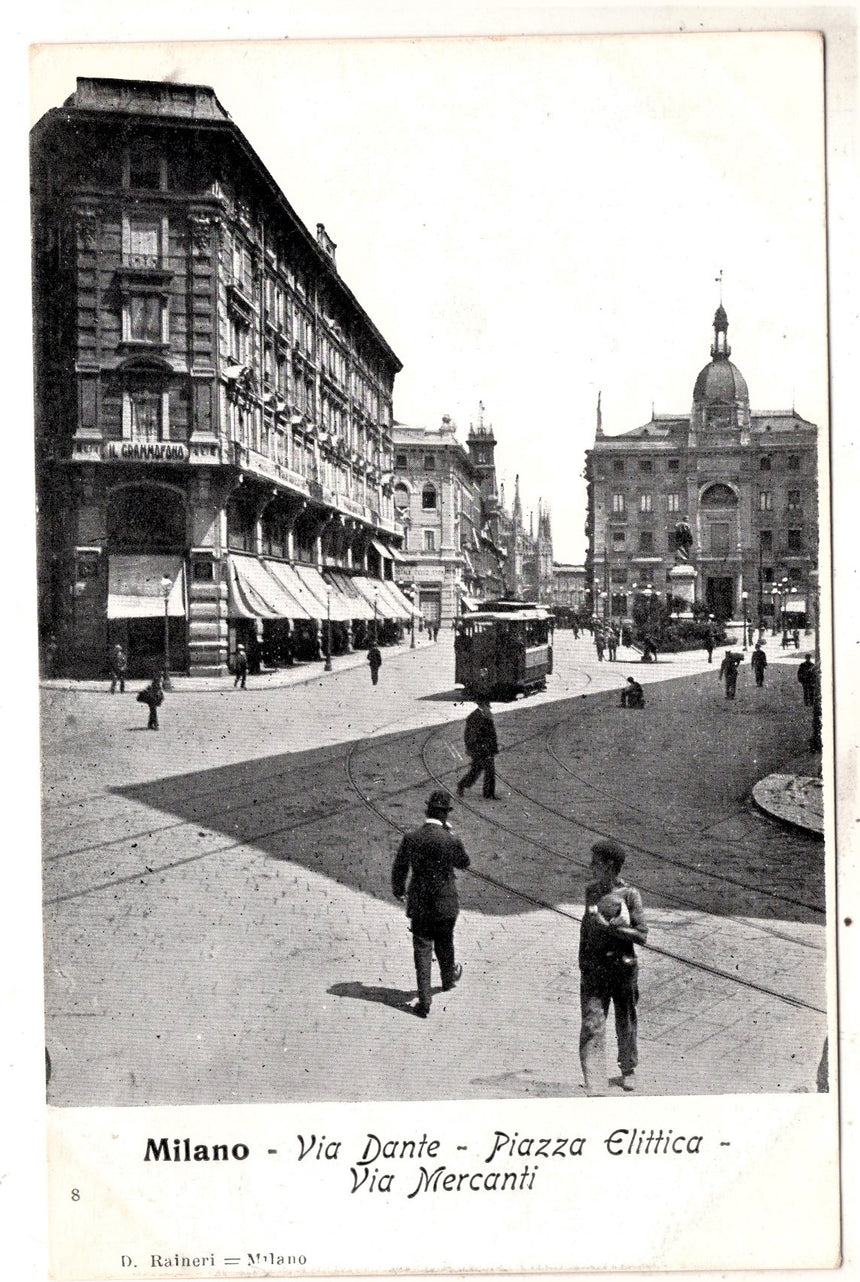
(146, 451)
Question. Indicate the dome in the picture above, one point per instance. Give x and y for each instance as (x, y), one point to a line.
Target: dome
(722, 382)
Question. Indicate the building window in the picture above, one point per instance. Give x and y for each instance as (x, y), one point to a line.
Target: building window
(428, 498)
(144, 415)
(429, 462)
(673, 502)
(720, 535)
(645, 502)
(144, 166)
(429, 540)
(619, 574)
(795, 574)
(143, 244)
(766, 540)
(764, 463)
(673, 465)
(240, 333)
(793, 463)
(618, 466)
(645, 465)
(767, 574)
(401, 497)
(619, 538)
(795, 540)
(400, 462)
(794, 499)
(618, 506)
(765, 501)
(646, 541)
(143, 319)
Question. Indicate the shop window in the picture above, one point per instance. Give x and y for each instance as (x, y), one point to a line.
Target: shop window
(146, 518)
(428, 498)
(240, 526)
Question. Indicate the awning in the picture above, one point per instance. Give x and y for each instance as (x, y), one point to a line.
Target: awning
(134, 587)
(469, 601)
(344, 584)
(292, 584)
(387, 607)
(253, 593)
(398, 607)
(795, 605)
(381, 548)
(316, 585)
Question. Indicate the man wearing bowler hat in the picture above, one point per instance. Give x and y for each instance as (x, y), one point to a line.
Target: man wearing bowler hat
(430, 854)
(613, 921)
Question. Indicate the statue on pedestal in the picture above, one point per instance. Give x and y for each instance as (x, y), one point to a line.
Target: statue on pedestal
(683, 541)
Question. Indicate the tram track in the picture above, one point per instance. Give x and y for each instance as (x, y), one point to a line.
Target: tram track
(539, 902)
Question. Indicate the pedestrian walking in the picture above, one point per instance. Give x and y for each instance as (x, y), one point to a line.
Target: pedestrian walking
(612, 923)
(435, 631)
(795, 636)
(428, 857)
(374, 658)
(633, 696)
(599, 643)
(759, 663)
(729, 671)
(153, 696)
(118, 669)
(482, 745)
(709, 645)
(806, 677)
(612, 643)
(240, 668)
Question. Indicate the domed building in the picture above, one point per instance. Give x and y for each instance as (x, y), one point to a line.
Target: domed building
(718, 507)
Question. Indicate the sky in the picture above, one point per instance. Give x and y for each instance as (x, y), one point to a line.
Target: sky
(533, 221)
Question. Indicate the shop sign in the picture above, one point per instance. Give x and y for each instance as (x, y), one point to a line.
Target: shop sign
(146, 451)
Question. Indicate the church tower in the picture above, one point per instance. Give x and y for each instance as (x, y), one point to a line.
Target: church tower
(481, 444)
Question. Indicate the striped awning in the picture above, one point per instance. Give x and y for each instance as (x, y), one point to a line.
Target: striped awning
(135, 588)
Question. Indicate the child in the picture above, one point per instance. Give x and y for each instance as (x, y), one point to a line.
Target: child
(613, 921)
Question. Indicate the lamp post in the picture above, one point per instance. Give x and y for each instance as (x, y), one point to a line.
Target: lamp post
(327, 628)
(375, 610)
(166, 586)
(412, 642)
(744, 602)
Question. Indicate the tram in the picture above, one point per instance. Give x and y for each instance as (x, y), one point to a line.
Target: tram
(503, 648)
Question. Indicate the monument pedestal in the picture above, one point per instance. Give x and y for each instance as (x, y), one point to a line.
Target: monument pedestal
(682, 585)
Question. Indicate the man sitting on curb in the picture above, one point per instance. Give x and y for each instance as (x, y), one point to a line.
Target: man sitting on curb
(633, 696)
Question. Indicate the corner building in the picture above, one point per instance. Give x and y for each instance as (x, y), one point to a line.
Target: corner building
(744, 483)
(213, 405)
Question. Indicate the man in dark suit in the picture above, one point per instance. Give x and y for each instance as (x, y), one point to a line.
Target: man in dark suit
(431, 853)
(482, 745)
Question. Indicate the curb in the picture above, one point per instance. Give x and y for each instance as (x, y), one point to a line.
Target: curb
(793, 800)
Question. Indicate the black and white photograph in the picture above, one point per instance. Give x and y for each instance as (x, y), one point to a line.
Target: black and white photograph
(433, 593)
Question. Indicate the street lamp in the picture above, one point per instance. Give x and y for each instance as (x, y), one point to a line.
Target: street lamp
(412, 642)
(375, 609)
(166, 585)
(327, 628)
(744, 601)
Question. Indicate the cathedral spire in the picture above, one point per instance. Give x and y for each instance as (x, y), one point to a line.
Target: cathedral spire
(720, 351)
(599, 416)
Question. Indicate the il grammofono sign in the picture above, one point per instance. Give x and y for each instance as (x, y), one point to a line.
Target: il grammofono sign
(146, 451)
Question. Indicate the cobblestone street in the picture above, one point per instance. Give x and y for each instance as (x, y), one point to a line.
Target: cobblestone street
(220, 925)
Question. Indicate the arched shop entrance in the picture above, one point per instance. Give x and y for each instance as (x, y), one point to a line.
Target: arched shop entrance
(146, 536)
